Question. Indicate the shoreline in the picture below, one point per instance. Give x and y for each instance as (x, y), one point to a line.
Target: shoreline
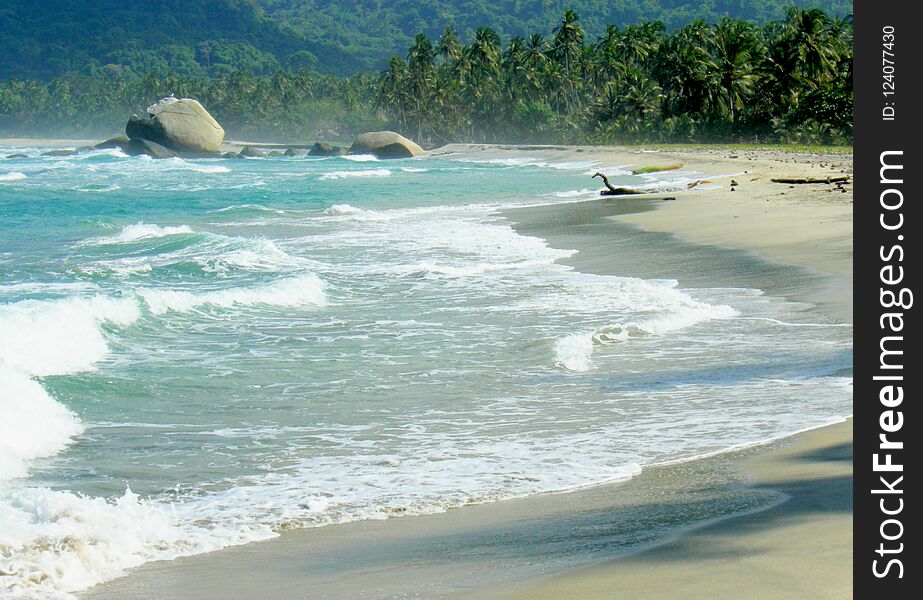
(515, 548)
(745, 508)
(798, 548)
(806, 225)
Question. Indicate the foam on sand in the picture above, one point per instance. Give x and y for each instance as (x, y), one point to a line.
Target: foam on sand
(65, 542)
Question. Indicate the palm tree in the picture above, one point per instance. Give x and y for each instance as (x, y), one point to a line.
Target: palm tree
(567, 49)
(734, 43)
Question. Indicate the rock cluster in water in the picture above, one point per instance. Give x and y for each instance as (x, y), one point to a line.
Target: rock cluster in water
(182, 127)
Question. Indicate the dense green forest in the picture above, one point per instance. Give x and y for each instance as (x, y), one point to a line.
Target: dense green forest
(787, 80)
(42, 40)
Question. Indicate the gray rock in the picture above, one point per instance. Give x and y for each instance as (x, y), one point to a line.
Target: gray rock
(325, 149)
(182, 125)
(251, 152)
(59, 153)
(138, 146)
(385, 144)
(295, 152)
(116, 141)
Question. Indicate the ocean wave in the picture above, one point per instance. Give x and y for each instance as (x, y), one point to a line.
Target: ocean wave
(529, 161)
(360, 157)
(349, 174)
(140, 231)
(342, 209)
(674, 310)
(60, 337)
(249, 207)
(210, 169)
(211, 252)
(12, 176)
(98, 188)
(305, 290)
(33, 424)
(577, 193)
(42, 338)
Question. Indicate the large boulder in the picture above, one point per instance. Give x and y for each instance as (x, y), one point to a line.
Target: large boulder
(182, 125)
(385, 144)
(325, 149)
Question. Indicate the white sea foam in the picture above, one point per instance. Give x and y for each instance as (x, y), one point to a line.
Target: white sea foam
(33, 424)
(577, 193)
(99, 189)
(199, 168)
(58, 337)
(141, 231)
(63, 542)
(305, 290)
(214, 253)
(361, 157)
(350, 174)
(574, 351)
(245, 207)
(530, 161)
(113, 152)
(12, 176)
(342, 209)
(658, 308)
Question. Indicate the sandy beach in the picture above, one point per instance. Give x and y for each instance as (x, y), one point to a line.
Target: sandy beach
(774, 520)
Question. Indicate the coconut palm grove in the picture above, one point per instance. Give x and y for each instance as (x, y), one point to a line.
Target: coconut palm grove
(787, 80)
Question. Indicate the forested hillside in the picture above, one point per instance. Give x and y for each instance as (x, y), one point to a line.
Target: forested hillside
(788, 80)
(128, 38)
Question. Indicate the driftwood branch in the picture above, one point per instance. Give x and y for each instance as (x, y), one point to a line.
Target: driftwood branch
(841, 179)
(614, 191)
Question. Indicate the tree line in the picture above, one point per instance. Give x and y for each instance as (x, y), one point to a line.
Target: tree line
(788, 80)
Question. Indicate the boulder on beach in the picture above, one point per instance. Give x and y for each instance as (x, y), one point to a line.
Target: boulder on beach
(295, 152)
(385, 144)
(325, 149)
(138, 146)
(181, 125)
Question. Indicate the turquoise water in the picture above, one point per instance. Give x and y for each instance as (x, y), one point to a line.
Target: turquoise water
(201, 353)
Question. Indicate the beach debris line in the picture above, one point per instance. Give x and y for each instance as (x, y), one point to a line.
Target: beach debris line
(657, 168)
(797, 180)
(614, 191)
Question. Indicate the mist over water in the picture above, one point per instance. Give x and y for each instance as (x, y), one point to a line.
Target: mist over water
(201, 353)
